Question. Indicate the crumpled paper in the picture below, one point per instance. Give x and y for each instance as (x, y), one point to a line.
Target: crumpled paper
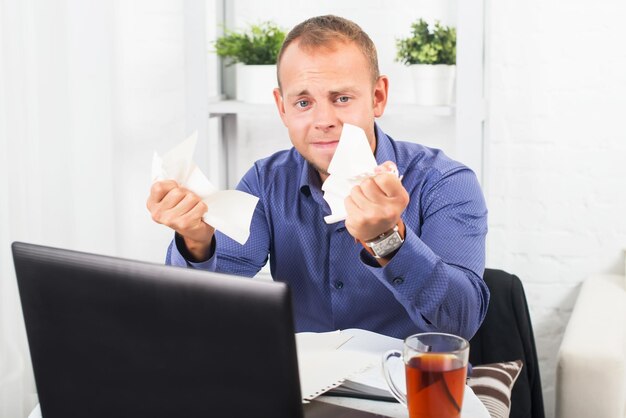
(352, 163)
(229, 211)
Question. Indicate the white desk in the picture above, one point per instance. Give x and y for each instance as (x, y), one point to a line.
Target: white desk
(472, 407)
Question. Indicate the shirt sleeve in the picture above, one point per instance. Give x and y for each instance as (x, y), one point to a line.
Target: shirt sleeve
(175, 257)
(437, 273)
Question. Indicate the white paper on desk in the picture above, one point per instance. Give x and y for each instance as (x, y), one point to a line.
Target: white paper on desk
(323, 366)
(353, 160)
(374, 345)
(229, 211)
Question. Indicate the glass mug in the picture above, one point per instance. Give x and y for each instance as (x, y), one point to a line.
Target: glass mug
(435, 366)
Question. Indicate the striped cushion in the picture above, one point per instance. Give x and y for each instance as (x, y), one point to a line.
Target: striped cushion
(492, 384)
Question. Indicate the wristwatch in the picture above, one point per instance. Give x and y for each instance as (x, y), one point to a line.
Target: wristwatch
(386, 243)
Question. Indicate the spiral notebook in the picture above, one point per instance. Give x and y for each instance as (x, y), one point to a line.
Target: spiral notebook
(346, 362)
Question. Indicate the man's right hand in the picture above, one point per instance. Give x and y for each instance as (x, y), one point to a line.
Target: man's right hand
(182, 210)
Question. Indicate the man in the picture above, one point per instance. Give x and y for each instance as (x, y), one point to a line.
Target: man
(410, 255)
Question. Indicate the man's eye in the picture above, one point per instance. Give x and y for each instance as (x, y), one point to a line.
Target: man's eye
(303, 103)
(343, 99)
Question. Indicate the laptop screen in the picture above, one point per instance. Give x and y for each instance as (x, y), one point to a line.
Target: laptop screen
(118, 338)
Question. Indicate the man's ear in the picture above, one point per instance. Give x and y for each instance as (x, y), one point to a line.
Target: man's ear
(280, 105)
(381, 90)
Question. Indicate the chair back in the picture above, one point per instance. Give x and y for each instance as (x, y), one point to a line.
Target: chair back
(506, 334)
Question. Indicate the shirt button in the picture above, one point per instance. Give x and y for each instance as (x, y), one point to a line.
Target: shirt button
(338, 284)
(398, 280)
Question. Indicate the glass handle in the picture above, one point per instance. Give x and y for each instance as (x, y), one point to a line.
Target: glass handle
(397, 393)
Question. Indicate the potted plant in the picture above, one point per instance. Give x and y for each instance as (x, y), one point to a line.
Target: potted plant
(255, 52)
(431, 55)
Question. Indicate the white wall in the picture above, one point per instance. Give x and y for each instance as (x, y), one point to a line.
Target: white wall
(556, 163)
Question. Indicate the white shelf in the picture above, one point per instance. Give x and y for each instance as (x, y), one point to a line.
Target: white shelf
(234, 107)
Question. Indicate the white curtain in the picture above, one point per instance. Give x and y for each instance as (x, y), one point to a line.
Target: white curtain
(88, 89)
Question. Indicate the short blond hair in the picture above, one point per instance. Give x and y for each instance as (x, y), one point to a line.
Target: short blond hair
(328, 30)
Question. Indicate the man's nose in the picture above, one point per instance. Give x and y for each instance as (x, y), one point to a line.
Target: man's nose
(325, 117)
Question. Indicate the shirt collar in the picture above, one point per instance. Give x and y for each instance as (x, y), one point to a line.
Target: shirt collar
(384, 148)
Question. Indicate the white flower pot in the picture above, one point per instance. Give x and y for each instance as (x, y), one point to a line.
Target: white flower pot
(255, 83)
(433, 84)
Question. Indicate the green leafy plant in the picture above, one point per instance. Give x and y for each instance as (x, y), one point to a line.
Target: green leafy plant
(426, 46)
(259, 45)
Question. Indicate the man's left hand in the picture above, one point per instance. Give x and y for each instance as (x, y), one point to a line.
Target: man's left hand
(374, 206)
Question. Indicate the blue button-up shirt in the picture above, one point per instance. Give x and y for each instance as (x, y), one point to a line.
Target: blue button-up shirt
(434, 281)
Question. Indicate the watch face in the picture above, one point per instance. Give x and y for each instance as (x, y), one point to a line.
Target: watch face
(387, 245)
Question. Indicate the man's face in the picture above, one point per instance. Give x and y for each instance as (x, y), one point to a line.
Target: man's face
(322, 89)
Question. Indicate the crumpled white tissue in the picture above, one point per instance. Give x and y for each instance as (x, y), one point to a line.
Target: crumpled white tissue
(352, 162)
(229, 211)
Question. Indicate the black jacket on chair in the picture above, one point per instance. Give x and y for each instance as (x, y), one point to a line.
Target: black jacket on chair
(506, 334)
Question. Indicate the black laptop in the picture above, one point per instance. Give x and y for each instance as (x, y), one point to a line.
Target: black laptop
(119, 338)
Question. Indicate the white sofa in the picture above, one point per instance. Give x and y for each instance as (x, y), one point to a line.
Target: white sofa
(591, 368)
